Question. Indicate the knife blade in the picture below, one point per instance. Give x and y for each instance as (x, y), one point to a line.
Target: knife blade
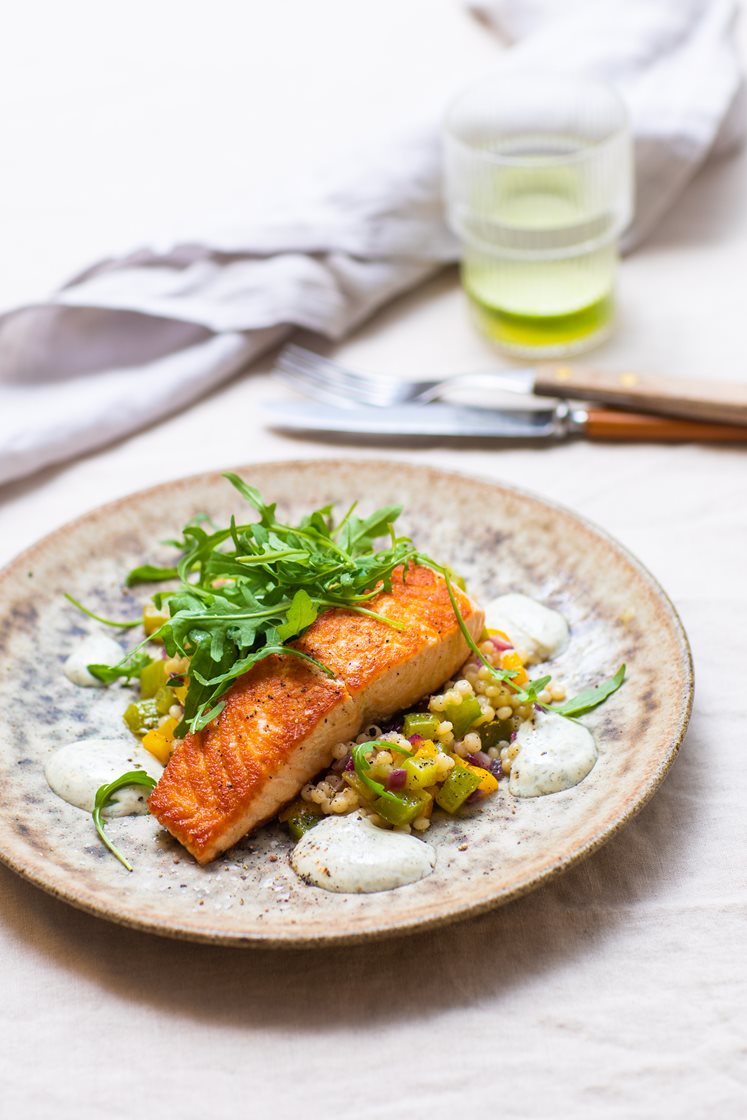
(538, 425)
(424, 420)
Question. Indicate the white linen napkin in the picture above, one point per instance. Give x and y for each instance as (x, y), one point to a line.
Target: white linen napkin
(131, 340)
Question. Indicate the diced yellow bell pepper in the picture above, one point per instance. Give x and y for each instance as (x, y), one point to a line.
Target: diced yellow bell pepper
(153, 619)
(426, 749)
(159, 741)
(181, 693)
(176, 664)
(511, 660)
(488, 781)
(492, 633)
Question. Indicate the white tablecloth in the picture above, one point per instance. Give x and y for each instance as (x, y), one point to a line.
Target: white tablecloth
(619, 991)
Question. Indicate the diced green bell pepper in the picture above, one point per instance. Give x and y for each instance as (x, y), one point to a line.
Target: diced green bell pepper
(463, 715)
(356, 782)
(152, 677)
(457, 787)
(423, 724)
(141, 716)
(495, 732)
(164, 698)
(302, 822)
(421, 772)
(401, 808)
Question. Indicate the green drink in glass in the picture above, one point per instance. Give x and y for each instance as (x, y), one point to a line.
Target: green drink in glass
(539, 188)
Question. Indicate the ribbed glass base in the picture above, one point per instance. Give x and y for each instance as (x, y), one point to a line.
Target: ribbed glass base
(545, 336)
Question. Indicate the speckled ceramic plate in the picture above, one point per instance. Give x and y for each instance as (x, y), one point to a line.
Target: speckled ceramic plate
(501, 540)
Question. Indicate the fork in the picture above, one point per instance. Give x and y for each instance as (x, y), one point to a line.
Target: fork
(328, 381)
(721, 401)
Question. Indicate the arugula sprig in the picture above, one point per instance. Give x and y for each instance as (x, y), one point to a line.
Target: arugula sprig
(126, 670)
(104, 795)
(127, 624)
(590, 698)
(243, 591)
(363, 766)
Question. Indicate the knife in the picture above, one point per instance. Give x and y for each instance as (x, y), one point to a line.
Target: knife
(542, 425)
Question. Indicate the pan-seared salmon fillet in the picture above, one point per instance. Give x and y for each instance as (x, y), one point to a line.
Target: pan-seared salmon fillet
(283, 719)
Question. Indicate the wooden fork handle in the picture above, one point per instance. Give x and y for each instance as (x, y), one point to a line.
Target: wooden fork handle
(610, 424)
(721, 401)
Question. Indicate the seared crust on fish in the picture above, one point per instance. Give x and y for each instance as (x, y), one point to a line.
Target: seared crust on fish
(283, 719)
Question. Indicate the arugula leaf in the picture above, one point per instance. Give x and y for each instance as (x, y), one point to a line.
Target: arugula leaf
(529, 693)
(253, 496)
(97, 617)
(300, 614)
(126, 669)
(198, 519)
(203, 718)
(103, 797)
(149, 574)
(358, 535)
(590, 698)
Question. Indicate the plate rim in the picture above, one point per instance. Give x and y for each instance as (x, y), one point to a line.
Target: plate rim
(217, 936)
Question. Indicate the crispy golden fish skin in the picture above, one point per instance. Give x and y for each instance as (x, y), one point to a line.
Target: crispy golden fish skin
(282, 720)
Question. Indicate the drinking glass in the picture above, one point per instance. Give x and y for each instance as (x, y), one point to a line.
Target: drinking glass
(539, 187)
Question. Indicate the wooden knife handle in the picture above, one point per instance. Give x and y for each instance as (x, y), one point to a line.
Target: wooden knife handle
(722, 401)
(607, 423)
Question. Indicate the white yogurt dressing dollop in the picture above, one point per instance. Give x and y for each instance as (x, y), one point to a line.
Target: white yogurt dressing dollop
(555, 753)
(350, 855)
(76, 771)
(537, 632)
(95, 649)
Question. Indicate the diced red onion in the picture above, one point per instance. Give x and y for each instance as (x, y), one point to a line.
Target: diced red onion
(500, 643)
(350, 765)
(413, 739)
(396, 779)
(513, 736)
(479, 758)
(496, 767)
(473, 797)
